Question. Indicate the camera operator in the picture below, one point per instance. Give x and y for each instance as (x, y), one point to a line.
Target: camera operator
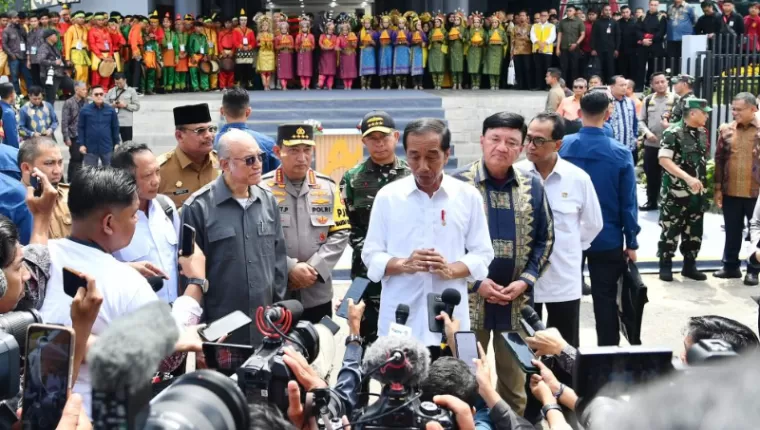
(550, 342)
(549, 391)
(741, 338)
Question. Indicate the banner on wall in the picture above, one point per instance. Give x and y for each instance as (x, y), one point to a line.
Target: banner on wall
(40, 4)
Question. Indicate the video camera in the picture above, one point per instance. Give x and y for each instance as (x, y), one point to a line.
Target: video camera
(13, 328)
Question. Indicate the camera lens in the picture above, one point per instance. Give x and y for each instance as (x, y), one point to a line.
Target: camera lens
(202, 400)
(16, 323)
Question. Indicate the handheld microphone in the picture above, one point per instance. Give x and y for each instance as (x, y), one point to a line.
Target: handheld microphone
(399, 328)
(123, 361)
(450, 299)
(278, 310)
(531, 319)
(409, 365)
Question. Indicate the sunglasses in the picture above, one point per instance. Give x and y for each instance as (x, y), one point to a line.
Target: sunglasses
(201, 130)
(251, 160)
(579, 87)
(536, 141)
(98, 94)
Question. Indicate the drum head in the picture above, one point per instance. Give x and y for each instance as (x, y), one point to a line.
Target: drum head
(214, 66)
(106, 68)
(205, 67)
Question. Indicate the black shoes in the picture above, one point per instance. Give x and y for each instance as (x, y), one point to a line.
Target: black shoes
(690, 270)
(729, 273)
(648, 207)
(666, 269)
(750, 279)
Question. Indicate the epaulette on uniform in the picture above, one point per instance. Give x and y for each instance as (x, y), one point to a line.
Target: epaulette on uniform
(163, 158)
(323, 176)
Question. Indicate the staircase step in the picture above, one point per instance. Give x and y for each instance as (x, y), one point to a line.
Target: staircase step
(327, 113)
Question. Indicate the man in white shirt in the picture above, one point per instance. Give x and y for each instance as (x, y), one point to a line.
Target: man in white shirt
(103, 204)
(577, 220)
(427, 233)
(153, 250)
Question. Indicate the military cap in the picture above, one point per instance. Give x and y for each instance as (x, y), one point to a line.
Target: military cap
(683, 77)
(295, 134)
(377, 121)
(695, 103)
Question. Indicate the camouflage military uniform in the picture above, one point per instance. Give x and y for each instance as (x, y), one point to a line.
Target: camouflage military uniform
(682, 211)
(679, 107)
(358, 187)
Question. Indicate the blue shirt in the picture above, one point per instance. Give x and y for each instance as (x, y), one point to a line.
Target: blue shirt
(37, 119)
(13, 206)
(680, 22)
(265, 142)
(9, 162)
(10, 125)
(98, 128)
(610, 166)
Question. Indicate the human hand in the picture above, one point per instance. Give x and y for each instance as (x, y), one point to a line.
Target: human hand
(355, 315)
(47, 132)
(631, 254)
(483, 374)
(593, 53)
(461, 410)
(305, 374)
(651, 137)
(514, 290)
(45, 203)
(694, 184)
(541, 391)
(194, 265)
(492, 292)
(85, 307)
(546, 342)
(58, 62)
(296, 413)
(547, 376)
(573, 47)
(646, 42)
(616, 53)
(558, 52)
(190, 340)
(74, 416)
(718, 197)
(445, 272)
(148, 269)
(302, 275)
(424, 260)
(450, 327)
(82, 149)
(35, 134)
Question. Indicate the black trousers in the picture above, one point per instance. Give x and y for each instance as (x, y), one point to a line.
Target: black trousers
(625, 65)
(125, 133)
(75, 159)
(36, 78)
(541, 63)
(135, 67)
(605, 268)
(645, 66)
(674, 55)
(635, 154)
(735, 211)
(569, 62)
(244, 74)
(607, 64)
(565, 317)
(653, 170)
(523, 71)
(315, 314)
(52, 90)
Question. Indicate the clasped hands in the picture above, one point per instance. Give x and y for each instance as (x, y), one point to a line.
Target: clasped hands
(499, 294)
(427, 260)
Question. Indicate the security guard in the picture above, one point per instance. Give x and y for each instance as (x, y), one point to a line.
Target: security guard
(683, 156)
(358, 188)
(193, 163)
(313, 219)
(682, 86)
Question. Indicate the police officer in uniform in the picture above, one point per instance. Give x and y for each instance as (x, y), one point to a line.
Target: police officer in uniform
(193, 163)
(682, 86)
(683, 156)
(313, 219)
(358, 187)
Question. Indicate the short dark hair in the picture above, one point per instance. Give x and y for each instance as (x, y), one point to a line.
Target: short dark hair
(558, 124)
(594, 76)
(613, 80)
(30, 149)
(748, 98)
(236, 100)
(656, 74)
(595, 103)
(506, 120)
(452, 376)
(738, 335)
(6, 90)
(624, 8)
(569, 7)
(429, 125)
(8, 241)
(124, 157)
(35, 90)
(119, 75)
(264, 416)
(94, 188)
(554, 72)
(95, 87)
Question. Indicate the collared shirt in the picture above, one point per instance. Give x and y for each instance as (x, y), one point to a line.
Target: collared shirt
(112, 278)
(13, 206)
(34, 41)
(180, 177)
(246, 259)
(624, 122)
(155, 240)
(405, 219)
(554, 98)
(681, 20)
(652, 110)
(10, 125)
(265, 142)
(14, 36)
(577, 220)
(737, 162)
(522, 237)
(521, 44)
(37, 119)
(570, 29)
(60, 223)
(569, 108)
(127, 95)
(70, 117)
(9, 162)
(98, 128)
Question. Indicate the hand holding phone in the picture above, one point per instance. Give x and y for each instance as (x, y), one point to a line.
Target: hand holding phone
(225, 325)
(467, 348)
(521, 352)
(187, 240)
(35, 183)
(355, 292)
(73, 280)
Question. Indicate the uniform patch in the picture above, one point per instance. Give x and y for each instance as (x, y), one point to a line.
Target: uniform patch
(321, 209)
(178, 184)
(280, 200)
(322, 237)
(278, 193)
(319, 193)
(181, 192)
(284, 209)
(320, 202)
(322, 219)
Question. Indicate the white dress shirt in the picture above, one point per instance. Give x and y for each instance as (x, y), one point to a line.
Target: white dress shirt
(405, 219)
(577, 221)
(155, 240)
(124, 290)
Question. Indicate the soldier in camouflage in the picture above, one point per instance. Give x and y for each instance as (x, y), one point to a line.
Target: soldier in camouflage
(358, 187)
(682, 86)
(683, 156)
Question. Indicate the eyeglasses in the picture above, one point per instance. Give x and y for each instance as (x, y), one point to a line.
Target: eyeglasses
(251, 160)
(579, 87)
(536, 141)
(98, 94)
(201, 130)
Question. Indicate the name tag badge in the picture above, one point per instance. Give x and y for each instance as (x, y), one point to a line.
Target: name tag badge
(181, 192)
(245, 41)
(181, 48)
(730, 24)
(23, 46)
(34, 50)
(609, 30)
(203, 51)
(149, 48)
(79, 44)
(169, 46)
(210, 44)
(108, 47)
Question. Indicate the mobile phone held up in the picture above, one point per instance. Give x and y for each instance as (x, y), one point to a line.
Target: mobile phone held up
(35, 183)
(72, 281)
(355, 293)
(467, 348)
(187, 240)
(47, 375)
(521, 351)
(225, 325)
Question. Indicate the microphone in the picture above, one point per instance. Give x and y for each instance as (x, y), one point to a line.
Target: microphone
(450, 299)
(278, 310)
(122, 362)
(156, 283)
(399, 328)
(410, 361)
(531, 319)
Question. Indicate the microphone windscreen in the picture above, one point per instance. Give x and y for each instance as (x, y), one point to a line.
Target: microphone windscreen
(531, 317)
(294, 306)
(451, 296)
(416, 366)
(129, 352)
(402, 313)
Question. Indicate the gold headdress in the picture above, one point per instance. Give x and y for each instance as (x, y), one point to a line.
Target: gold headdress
(426, 17)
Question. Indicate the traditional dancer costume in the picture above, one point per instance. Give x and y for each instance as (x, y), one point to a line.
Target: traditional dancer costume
(285, 47)
(386, 38)
(456, 37)
(226, 44)
(437, 52)
(497, 41)
(476, 42)
(367, 60)
(305, 49)
(183, 64)
(265, 62)
(419, 42)
(169, 54)
(328, 57)
(402, 55)
(347, 43)
(245, 42)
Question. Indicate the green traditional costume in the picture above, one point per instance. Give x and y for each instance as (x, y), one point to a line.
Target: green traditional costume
(196, 49)
(477, 37)
(497, 42)
(180, 73)
(170, 56)
(437, 52)
(456, 38)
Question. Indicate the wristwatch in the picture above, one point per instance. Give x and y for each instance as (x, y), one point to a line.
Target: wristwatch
(545, 410)
(355, 338)
(203, 283)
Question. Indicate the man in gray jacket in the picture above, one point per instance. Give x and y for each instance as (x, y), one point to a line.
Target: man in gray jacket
(124, 99)
(15, 46)
(34, 40)
(651, 126)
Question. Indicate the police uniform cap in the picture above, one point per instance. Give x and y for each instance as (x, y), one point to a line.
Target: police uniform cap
(191, 114)
(377, 121)
(295, 134)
